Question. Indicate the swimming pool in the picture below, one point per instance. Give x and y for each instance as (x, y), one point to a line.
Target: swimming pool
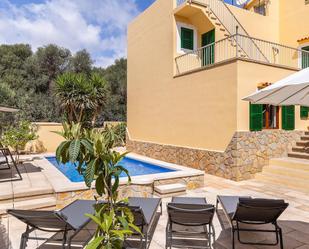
(135, 168)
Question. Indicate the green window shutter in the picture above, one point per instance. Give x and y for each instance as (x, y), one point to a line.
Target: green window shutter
(305, 58)
(288, 117)
(304, 111)
(256, 117)
(187, 38)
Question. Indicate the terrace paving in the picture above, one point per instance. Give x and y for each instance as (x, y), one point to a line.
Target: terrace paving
(294, 221)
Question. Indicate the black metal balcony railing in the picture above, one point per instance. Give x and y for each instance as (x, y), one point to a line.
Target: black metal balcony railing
(241, 46)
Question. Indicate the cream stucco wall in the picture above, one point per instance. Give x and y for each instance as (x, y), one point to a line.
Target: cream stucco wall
(180, 111)
(258, 26)
(47, 138)
(294, 19)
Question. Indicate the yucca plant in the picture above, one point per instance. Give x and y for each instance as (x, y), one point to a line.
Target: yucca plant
(80, 95)
(91, 152)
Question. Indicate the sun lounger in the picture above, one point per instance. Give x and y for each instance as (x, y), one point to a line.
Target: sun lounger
(190, 223)
(255, 212)
(7, 159)
(68, 222)
(71, 226)
(146, 212)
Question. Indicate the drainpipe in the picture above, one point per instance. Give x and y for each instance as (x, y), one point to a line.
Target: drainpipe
(237, 41)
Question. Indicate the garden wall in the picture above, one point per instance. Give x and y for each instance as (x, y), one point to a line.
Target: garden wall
(47, 141)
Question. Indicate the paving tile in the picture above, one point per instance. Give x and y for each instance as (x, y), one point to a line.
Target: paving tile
(294, 221)
(303, 247)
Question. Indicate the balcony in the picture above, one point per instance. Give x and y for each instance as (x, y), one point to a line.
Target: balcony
(241, 47)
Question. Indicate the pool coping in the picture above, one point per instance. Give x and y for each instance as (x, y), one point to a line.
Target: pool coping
(61, 183)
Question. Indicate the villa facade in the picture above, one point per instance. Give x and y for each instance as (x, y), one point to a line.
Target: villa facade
(190, 63)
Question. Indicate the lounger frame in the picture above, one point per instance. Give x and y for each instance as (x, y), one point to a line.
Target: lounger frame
(184, 212)
(147, 229)
(6, 153)
(235, 222)
(47, 221)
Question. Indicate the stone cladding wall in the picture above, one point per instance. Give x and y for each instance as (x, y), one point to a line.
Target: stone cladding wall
(246, 154)
(136, 190)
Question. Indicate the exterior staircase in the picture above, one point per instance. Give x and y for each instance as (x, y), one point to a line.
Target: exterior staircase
(301, 150)
(287, 172)
(220, 14)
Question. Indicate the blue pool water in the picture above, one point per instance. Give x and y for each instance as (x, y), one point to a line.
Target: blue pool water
(134, 167)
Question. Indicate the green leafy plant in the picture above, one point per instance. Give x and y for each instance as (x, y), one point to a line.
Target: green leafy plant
(91, 151)
(18, 136)
(117, 131)
(120, 130)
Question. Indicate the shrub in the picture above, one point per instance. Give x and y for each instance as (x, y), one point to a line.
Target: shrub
(18, 136)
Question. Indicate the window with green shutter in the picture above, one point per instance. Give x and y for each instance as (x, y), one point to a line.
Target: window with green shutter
(288, 117)
(305, 57)
(187, 38)
(304, 112)
(256, 117)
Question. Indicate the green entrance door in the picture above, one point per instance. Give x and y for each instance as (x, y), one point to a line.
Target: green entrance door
(305, 58)
(208, 52)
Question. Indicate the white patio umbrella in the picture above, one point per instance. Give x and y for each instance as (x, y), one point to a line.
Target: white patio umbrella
(292, 90)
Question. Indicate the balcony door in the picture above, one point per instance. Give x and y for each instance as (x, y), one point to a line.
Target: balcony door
(305, 58)
(208, 52)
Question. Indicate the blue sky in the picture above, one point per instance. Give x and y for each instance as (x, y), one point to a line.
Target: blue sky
(96, 25)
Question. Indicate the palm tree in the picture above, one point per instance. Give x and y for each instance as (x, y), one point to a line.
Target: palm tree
(80, 95)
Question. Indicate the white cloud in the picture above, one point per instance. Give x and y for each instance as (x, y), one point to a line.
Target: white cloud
(96, 25)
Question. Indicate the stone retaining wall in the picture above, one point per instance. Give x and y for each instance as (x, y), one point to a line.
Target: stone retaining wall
(245, 155)
(136, 190)
(133, 190)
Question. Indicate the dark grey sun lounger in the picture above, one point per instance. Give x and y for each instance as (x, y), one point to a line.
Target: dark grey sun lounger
(68, 222)
(253, 211)
(189, 223)
(7, 159)
(146, 212)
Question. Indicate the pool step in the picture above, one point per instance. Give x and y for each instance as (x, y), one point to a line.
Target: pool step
(44, 202)
(169, 190)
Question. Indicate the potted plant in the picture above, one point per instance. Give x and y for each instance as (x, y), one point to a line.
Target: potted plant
(91, 152)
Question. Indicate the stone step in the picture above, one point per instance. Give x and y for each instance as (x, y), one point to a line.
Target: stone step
(26, 198)
(218, 23)
(304, 138)
(299, 155)
(168, 190)
(301, 143)
(41, 203)
(213, 18)
(288, 162)
(285, 171)
(307, 133)
(298, 149)
(286, 181)
(31, 192)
